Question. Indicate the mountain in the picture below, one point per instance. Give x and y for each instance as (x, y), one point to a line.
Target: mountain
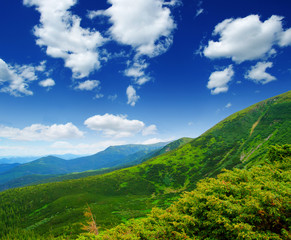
(240, 141)
(10, 160)
(51, 165)
(130, 160)
(169, 147)
(6, 167)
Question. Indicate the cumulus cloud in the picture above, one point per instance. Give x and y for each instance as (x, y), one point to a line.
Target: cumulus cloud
(39, 132)
(116, 126)
(132, 98)
(88, 85)
(60, 33)
(248, 38)
(218, 80)
(150, 130)
(258, 73)
(146, 25)
(47, 83)
(15, 79)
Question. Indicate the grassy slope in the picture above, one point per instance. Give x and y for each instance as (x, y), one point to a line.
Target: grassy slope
(240, 204)
(132, 192)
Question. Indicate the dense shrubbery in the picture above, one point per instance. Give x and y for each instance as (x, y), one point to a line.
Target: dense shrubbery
(239, 204)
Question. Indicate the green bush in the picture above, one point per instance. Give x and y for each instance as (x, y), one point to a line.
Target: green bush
(238, 204)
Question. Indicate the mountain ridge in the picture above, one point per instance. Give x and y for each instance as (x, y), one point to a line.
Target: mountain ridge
(110, 157)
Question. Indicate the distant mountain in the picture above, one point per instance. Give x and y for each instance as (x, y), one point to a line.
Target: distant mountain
(6, 167)
(68, 156)
(10, 160)
(51, 165)
(240, 141)
(130, 160)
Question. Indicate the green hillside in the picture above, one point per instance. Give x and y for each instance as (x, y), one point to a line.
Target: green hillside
(239, 204)
(241, 140)
(7, 166)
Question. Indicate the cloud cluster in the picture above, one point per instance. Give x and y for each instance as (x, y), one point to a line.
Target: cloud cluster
(15, 79)
(39, 132)
(146, 26)
(60, 33)
(258, 73)
(246, 39)
(137, 72)
(118, 126)
(218, 81)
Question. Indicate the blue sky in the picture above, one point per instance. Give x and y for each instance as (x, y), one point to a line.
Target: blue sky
(78, 76)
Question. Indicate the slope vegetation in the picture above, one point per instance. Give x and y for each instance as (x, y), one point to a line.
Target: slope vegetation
(57, 208)
(239, 204)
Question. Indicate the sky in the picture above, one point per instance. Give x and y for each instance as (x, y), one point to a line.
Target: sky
(77, 76)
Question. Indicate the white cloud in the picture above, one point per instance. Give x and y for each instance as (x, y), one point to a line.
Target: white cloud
(60, 33)
(39, 132)
(228, 105)
(157, 140)
(285, 39)
(58, 147)
(112, 97)
(88, 85)
(62, 147)
(131, 96)
(41, 67)
(199, 11)
(47, 83)
(15, 79)
(114, 125)
(146, 25)
(150, 130)
(247, 38)
(218, 80)
(258, 73)
(137, 72)
(99, 95)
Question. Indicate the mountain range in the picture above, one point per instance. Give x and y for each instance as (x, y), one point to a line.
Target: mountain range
(49, 166)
